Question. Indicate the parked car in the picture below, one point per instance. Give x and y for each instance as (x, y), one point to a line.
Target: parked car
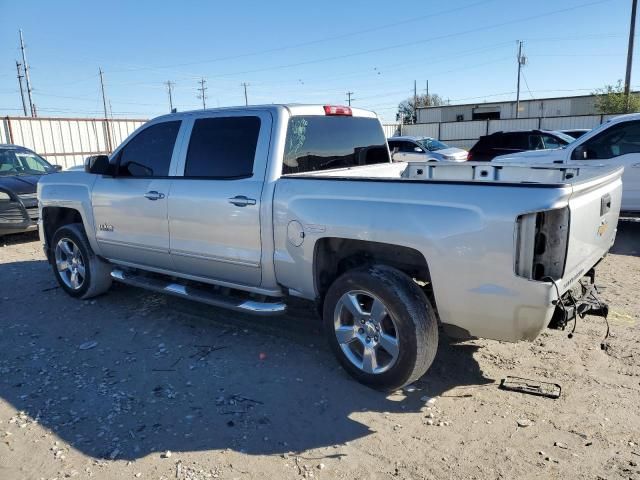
(245, 207)
(499, 143)
(20, 169)
(576, 132)
(615, 143)
(409, 149)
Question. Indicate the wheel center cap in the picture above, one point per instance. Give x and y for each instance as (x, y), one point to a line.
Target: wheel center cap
(370, 329)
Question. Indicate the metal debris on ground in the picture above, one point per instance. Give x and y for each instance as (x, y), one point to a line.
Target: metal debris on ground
(531, 387)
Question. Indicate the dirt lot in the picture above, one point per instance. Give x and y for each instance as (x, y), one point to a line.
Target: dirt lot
(138, 385)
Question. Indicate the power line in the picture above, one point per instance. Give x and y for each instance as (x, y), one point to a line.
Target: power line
(203, 95)
(320, 40)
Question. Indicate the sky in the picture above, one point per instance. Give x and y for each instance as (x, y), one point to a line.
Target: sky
(305, 52)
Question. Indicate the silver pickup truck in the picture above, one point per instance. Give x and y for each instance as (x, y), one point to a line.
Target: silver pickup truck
(244, 207)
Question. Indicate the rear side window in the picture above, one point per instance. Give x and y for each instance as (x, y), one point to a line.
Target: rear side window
(222, 147)
(316, 143)
(148, 154)
(516, 140)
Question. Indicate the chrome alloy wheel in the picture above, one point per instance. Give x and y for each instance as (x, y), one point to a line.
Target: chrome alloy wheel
(366, 332)
(70, 263)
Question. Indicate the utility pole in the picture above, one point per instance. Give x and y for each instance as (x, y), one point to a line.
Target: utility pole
(632, 32)
(20, 77)
(349, 98)
(26, 76)
(415, 101)
(104, 104)
(427, 89)
(170, 85)
(521, 61)
(202, 94)
(245, 85)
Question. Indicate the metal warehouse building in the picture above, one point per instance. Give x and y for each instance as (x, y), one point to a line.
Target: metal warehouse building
(543, 107)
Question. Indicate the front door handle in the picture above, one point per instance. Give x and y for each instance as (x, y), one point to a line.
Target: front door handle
(242, 201)
(153, 195)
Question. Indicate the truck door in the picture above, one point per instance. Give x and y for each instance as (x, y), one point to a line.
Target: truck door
(214, 207)
(130, 209)
(618, 145)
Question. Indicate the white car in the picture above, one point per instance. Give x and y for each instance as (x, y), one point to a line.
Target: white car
(420, 149)
(614, 143)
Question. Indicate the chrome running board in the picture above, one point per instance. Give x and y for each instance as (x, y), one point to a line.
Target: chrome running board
(199, 294)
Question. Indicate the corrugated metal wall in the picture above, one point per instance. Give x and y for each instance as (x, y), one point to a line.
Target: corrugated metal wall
(67, 141)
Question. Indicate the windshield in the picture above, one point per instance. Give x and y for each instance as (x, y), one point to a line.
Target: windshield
(22, 162)
(431, 144)
(564, 136)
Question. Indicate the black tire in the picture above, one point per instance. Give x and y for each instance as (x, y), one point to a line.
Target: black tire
(97, 278)
(415, 324)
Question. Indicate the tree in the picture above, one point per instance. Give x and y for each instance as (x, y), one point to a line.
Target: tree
(407, 110)
(611, 99)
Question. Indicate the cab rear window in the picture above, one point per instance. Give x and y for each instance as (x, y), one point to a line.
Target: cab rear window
(316, 143)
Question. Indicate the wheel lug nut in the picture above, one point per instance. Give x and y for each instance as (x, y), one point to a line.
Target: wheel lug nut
(376, 338)
(362, 321)
(377, 328)
(361, 330)
(368, 339)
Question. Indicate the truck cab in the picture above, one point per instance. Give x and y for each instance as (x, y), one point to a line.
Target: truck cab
(615, 143)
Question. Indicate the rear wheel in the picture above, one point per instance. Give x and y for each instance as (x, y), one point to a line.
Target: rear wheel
(78, 270)
(381, 326)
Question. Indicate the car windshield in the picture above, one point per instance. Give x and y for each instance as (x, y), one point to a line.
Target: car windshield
(431, 144)
(22, 162)
(565, 137)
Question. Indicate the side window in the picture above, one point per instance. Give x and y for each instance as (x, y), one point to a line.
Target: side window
(535, 142)
(515, 141)
(223, 147)
(407, 147)
(551, 142)
(615, 141)
(148, 154)
(393, 145)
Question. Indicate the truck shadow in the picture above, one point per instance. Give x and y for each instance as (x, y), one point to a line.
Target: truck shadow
(627, 239)
(132, 373)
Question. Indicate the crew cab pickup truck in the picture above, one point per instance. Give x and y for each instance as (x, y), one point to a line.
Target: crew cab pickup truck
(243, 208)
(615, 143)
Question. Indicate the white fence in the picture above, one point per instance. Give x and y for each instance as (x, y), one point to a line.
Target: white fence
(67, 141)
(466, 134)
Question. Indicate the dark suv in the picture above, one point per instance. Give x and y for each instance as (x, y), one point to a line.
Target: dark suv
(20, 169)
(503, 143)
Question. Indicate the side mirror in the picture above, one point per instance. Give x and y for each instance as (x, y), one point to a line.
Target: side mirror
(57, 168)
(99, 165)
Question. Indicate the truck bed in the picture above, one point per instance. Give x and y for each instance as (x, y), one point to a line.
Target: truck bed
(476, 172)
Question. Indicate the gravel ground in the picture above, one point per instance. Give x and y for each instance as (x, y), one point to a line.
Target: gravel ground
(138, 385)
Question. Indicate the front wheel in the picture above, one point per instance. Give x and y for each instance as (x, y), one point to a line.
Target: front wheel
(77, 269)
(381, 326)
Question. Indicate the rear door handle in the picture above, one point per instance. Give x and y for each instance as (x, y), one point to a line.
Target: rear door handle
(242, 201)
(153, 195)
